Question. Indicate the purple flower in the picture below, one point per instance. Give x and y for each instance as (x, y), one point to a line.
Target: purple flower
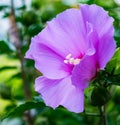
(69, 52)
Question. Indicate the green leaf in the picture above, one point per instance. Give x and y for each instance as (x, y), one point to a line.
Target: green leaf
(7, 68)
(5, 91)
(5, 47)
(2, 7)
(117, 35)
(106, 4)
(114, 79)
(118, 120)
(6, 14)
(116, 96)
(115, 13)
(16, 75)
(37, 4)
(21, 8)
(19, 110)
(34, 29)
(113, 67)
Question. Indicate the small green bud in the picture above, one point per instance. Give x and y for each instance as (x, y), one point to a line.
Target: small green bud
(29, 18)
(100, 96)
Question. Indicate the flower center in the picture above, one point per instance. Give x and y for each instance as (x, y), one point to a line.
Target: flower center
(71, 60)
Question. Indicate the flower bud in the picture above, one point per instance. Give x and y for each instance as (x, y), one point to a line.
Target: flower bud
(100, 96)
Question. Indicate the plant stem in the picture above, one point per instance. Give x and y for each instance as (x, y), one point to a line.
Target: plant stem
(15, 39)
(25, 83)
(103, 114)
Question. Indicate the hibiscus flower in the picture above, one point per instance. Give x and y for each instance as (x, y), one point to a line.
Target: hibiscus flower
(69, 52)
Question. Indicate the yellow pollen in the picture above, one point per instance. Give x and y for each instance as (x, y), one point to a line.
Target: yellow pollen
(76, 61)
(70, 60)
(68, 56)
(66, 61)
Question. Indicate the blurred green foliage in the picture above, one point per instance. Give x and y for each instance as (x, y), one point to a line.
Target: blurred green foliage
(13, 104)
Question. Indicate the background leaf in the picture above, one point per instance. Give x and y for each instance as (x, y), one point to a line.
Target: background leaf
(114, 65)
(19, 110)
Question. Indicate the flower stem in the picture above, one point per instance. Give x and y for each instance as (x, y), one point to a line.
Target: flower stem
(103, 114)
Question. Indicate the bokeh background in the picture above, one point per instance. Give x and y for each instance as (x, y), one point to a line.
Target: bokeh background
(20, 20)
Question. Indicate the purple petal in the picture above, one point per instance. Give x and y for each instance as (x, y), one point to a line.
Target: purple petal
(60, 92)
(97, 16)
(84, 72)
(47, 61)
(106, 49)
(50, 47)
(103, 32)
(66, 33)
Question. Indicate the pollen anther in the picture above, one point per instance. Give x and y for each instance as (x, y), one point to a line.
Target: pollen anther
(68, 56)
(71, 60)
